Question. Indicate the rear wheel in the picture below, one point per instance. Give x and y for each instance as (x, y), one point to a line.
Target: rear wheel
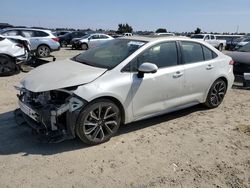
(64, 44)
(220, 48)
(216, 94)
(43, 51)
(98, 122)
(7, 66)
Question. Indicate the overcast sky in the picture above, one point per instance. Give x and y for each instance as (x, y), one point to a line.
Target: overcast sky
(175, 15)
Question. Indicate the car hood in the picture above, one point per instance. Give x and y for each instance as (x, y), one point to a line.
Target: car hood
(240, 57)
(60, 74)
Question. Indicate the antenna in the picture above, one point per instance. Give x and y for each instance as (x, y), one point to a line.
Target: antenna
(237, 30)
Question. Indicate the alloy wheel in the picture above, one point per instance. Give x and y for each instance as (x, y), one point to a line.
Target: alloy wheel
(101, 122)
(217, 93)
(43, 51)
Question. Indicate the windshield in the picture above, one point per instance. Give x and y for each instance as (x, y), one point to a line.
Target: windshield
(245, 48)
(197, 37)
(85, 36)
(109, 54)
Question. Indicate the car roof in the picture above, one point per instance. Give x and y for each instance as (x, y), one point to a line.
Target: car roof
(154, 38)
(25, 28)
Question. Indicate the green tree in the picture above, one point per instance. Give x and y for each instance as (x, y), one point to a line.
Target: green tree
(197, 31)
(161, 30)
(124, 28)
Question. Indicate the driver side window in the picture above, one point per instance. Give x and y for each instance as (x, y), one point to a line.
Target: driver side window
(163, 55)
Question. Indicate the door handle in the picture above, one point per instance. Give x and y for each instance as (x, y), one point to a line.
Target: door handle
(178, 74)
(209, 67)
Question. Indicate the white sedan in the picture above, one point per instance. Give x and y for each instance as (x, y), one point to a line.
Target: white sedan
(125, 80)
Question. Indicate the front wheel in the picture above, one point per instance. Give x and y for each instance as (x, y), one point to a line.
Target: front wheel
(216, 94)
(98, 122)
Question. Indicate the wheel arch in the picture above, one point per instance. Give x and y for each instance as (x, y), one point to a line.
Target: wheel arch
(117, 102)
(43, 44)
(86, 44)
(224, 78)
(2, 54)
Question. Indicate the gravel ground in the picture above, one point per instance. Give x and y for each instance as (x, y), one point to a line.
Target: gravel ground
(194, 147)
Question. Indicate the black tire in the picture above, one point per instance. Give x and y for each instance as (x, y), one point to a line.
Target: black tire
(216, 94)
(7, 66)
(64, 44)
(84, 46)
(220, 48)
(43, 51)
(98, 121)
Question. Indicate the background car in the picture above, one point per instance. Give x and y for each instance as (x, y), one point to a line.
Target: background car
(65, 39)
(241, 58)
(12, 51)
(242, 42)
(91, 40)
(42, 42)
(211, 39)
(126, 80)
(60, 33)
(231, 40)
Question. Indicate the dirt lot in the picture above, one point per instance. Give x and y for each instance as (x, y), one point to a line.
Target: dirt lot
(195, 147)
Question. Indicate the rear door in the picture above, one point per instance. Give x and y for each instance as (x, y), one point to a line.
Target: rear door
(30, 35)
(199, 68)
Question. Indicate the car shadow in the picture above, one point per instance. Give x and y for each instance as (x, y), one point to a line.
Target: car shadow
(16, 139)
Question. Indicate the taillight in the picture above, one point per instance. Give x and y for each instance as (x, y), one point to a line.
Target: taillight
(231, 62)
(55, 39)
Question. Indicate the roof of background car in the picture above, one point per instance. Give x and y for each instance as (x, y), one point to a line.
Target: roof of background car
(26, 28)
(151, 38)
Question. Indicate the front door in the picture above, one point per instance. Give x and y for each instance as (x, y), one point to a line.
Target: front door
(160, 91)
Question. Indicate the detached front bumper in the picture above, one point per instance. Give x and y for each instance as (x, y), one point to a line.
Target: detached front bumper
(50, 118)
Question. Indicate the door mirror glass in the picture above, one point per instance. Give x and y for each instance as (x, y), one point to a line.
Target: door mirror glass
(146, 68)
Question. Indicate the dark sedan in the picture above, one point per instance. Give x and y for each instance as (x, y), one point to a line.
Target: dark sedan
(241, 58)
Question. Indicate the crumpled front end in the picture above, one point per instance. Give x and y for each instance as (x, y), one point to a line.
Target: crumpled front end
(53, 113)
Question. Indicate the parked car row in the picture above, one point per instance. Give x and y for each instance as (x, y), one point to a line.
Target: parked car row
(211, 39)
(42, 42)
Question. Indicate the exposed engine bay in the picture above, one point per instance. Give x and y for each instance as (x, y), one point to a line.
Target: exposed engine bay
(52, 113)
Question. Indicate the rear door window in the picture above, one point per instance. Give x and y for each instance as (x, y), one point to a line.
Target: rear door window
(41, 34)
(27, 33)
(192, 52)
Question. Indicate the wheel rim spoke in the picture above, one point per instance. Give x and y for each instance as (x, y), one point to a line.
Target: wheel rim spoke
(101, 122)
(218, 93)
(97, 130)
(92, 114)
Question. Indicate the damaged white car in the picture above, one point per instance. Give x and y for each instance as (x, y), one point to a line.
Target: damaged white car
(122, 81)
(13, 51)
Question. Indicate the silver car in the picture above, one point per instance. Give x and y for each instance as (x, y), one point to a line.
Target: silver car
(42, 42)
(125, 80)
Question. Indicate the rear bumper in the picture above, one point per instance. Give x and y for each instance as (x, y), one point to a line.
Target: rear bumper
(23, 58)
(243, 80)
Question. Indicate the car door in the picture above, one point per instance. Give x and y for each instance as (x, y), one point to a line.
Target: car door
(30, 35)
(198, 70)
(155, 93)
(93, 40)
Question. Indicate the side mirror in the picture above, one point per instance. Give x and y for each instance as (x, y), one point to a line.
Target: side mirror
(146, 68)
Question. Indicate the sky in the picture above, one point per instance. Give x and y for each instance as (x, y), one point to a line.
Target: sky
(174, 15)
